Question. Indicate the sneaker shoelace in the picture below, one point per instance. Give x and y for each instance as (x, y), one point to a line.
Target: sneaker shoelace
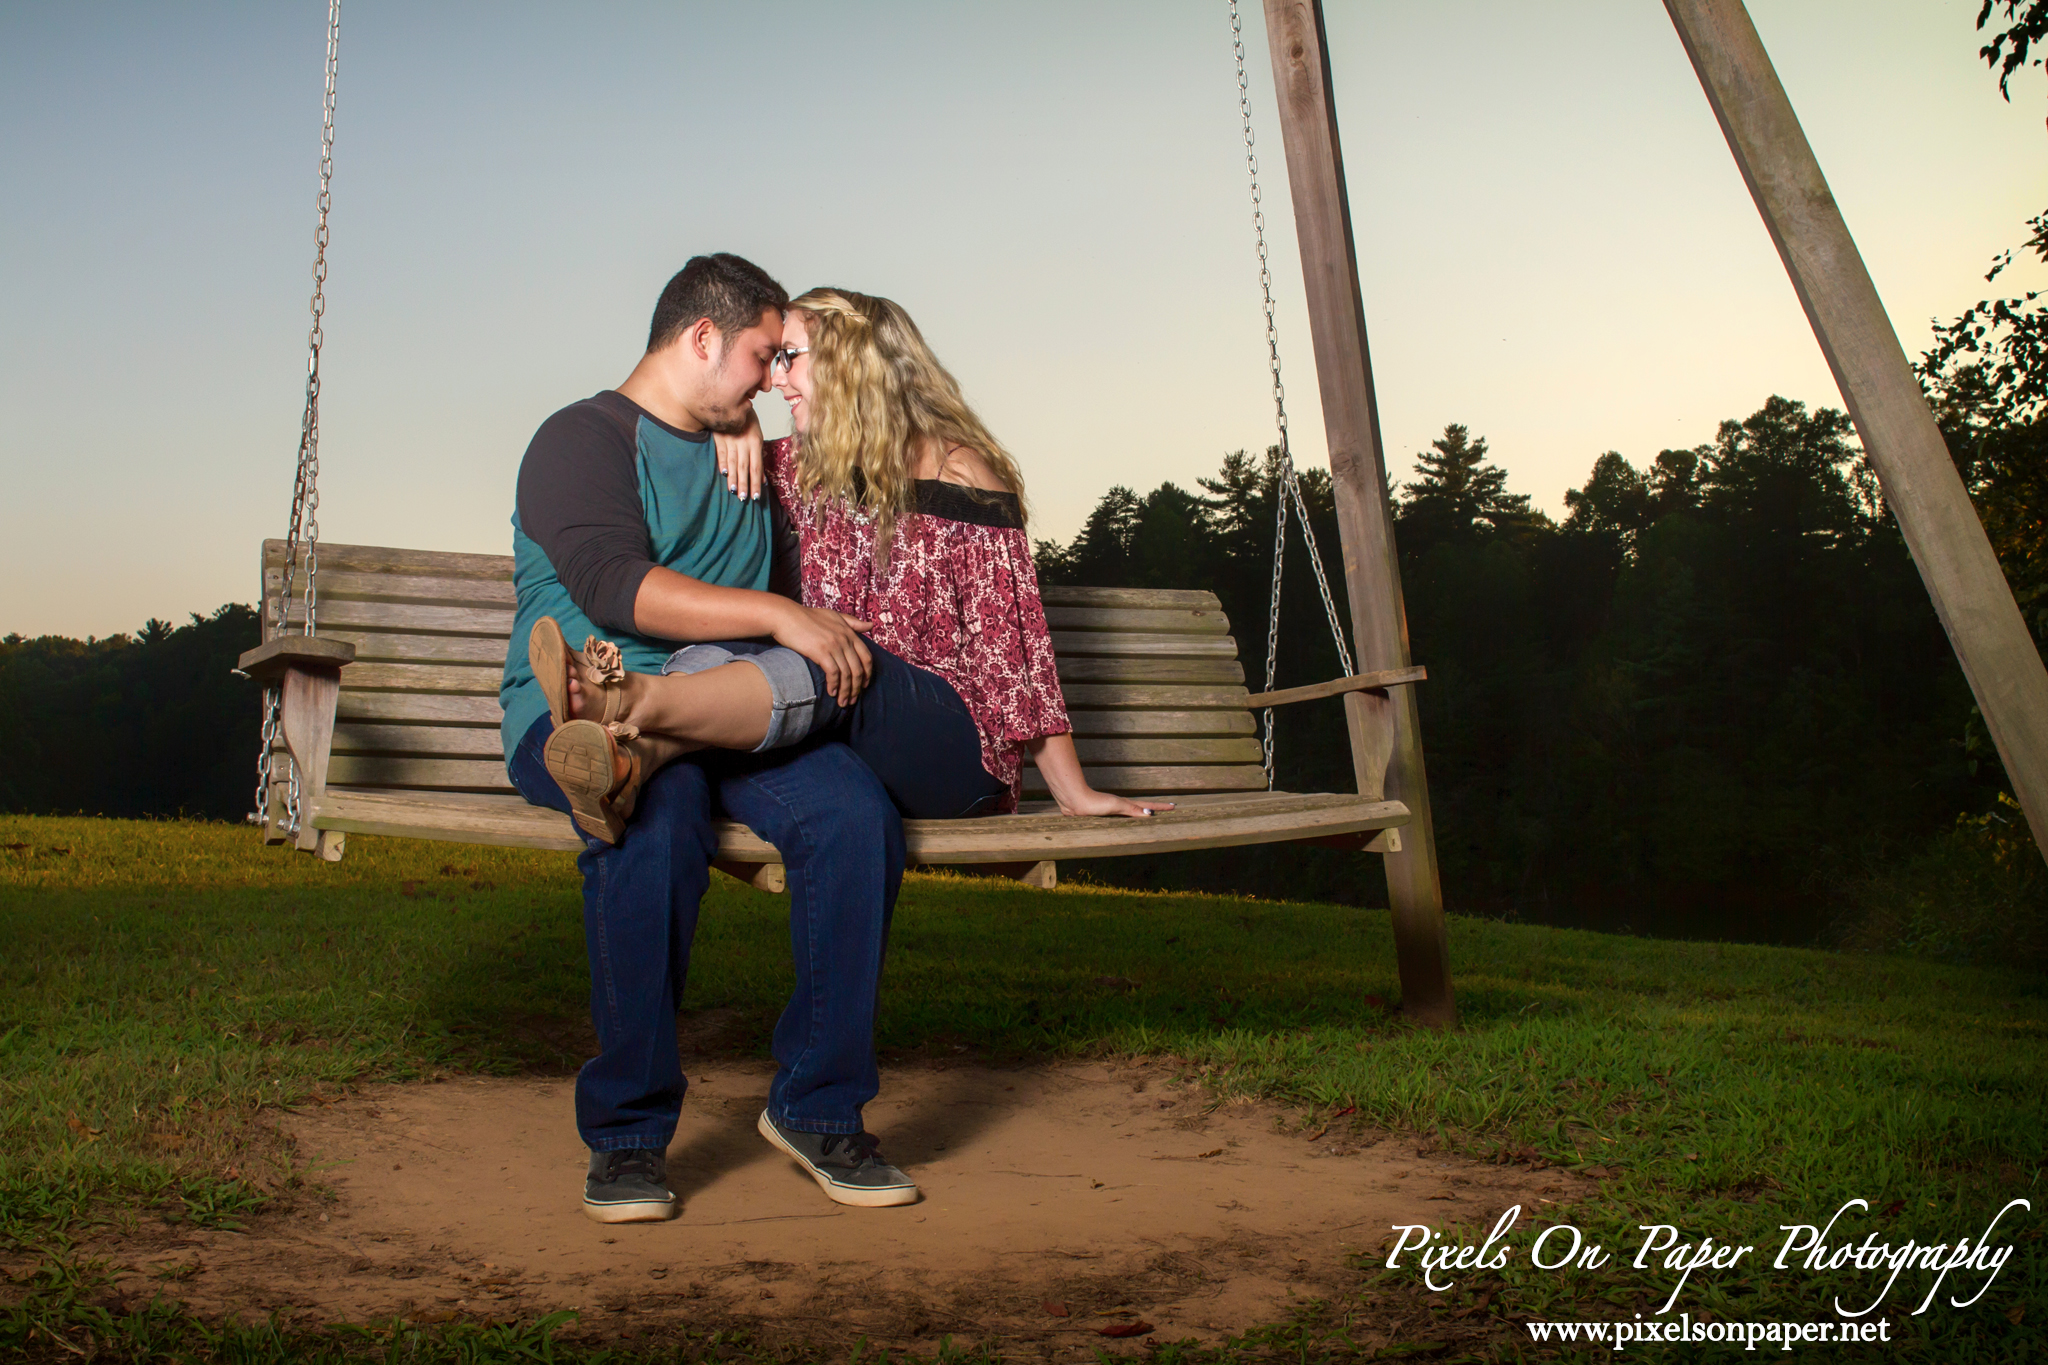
(861, 1148)
(634, 1161)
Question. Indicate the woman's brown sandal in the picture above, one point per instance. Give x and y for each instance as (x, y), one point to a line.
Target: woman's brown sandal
(604, 669)
(582, 756)
(552, 659)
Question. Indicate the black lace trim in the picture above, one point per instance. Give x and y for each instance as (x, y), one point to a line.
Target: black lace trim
(975, 506)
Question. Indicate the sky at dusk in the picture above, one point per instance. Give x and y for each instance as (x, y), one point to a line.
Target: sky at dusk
(1554, 245)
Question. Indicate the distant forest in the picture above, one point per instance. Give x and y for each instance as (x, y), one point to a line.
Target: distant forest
(1714, 685)
(1712, 701)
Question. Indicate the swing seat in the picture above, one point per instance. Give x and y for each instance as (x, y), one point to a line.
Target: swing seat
(391, 713)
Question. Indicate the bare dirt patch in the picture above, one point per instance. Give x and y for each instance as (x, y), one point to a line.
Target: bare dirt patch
(1101, 1189)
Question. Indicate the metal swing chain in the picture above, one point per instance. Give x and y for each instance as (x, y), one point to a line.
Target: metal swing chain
(305, 522)
(1288, 488)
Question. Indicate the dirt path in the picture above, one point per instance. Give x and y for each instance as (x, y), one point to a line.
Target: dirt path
(1101, 1188)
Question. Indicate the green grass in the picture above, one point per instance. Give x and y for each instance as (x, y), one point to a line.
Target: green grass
(162, 983)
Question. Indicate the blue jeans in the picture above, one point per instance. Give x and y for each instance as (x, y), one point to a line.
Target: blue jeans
(909, 725)
(842, 845)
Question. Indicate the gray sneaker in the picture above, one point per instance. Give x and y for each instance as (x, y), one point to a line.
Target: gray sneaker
(629, 1186)
(849, 1168)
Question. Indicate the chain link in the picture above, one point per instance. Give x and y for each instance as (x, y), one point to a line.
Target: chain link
(305, 523)
(1288, 482)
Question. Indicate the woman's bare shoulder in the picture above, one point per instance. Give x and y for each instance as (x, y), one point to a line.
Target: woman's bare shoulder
(964, 465)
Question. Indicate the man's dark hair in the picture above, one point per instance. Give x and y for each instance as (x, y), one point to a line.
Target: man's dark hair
(730, 290)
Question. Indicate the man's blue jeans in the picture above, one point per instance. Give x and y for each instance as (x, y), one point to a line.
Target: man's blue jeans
(842, 845)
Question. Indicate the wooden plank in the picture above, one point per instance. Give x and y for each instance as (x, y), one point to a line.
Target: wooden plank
(1029, 838)
(419, 706)
(1150, 670)
(1387, 677)
(1162, 722)
(769, 877)
(507, 822)
(1122, 749)
(269, 661)
(337, 585)
(1158, 622)
(1131, 599)
(374, 677)
(426, 649)
(385, 559)
(352, 614)
(1142, 697)
(1264, 818)
(1372, 571)
(448, 774)
(445, 741)
(1921, 486)
(1142, 781)
(1125, 645)
(306, 718)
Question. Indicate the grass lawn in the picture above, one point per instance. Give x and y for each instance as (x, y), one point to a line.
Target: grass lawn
(163, 983)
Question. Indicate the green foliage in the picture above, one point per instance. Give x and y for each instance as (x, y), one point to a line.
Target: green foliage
(1975, 894)
(2026, 25)
(2004, 342)
(154, 724)
(1686, 710)
(1457, 496)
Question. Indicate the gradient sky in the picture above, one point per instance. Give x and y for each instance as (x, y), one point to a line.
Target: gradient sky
(1555, 246)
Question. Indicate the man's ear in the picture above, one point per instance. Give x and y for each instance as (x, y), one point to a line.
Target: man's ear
(704, 340)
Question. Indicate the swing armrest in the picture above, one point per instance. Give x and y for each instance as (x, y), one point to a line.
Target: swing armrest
(268, 661)
(306, 671)
(1386, 677)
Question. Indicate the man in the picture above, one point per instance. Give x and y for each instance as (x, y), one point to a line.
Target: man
(625, 529)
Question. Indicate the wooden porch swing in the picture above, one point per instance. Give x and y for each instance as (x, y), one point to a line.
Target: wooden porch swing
(385, 721)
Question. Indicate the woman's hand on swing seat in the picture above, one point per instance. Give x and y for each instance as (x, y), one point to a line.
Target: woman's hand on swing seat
(1060, 766)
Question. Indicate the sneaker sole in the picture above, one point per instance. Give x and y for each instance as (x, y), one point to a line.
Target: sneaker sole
(633, 1211)
(859, 1196)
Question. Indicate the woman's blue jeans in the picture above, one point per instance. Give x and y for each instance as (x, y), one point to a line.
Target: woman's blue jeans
(841, 842)
(909, 725)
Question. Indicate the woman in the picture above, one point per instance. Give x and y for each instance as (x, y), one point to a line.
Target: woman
(910, 516)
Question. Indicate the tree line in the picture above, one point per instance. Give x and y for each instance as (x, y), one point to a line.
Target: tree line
(1712, 699)
(1717, 678)
(152, 724)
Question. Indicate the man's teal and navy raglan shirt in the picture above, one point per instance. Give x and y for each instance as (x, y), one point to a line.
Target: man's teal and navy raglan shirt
(607, 492)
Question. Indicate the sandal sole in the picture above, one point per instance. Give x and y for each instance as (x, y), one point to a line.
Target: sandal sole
(548, 654)
(579, 757)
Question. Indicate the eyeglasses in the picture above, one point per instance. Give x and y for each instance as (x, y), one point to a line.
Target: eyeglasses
(785, 357)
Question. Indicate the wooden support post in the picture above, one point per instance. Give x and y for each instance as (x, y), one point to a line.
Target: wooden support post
(1372, 572)
(1920, 482)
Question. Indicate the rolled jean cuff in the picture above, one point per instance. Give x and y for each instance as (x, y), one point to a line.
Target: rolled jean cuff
(794, 712)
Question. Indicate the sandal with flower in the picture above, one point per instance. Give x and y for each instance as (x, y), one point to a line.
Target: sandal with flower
(598, 669)
(583, 758)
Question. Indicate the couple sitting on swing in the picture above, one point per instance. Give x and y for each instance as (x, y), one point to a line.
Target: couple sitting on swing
(860, 641)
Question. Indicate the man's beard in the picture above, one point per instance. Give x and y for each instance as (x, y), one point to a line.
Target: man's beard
(734, 420)
(732, 424)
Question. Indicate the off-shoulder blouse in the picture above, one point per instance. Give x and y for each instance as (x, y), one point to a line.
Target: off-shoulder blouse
(959, 596)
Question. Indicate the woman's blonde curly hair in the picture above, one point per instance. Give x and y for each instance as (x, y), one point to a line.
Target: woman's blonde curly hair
(879, 397)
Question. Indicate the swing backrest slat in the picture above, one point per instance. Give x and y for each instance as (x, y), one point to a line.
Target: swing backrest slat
(1150, 676)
